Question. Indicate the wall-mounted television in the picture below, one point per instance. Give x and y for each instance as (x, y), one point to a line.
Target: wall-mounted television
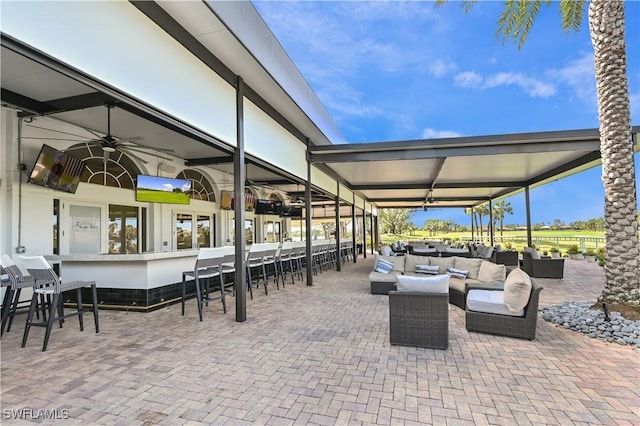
(156, 189)
(291, 211)
(56, 170)
(268, 207)
(227, 200)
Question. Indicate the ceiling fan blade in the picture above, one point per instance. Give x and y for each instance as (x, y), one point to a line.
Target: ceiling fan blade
(132, 155)
(62, 132)
(131, 139)
(130, 151)
(141, 145)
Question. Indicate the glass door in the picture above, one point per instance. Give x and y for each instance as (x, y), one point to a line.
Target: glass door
(183, 231)
(204, 230)
(85, 229)
(123, 229)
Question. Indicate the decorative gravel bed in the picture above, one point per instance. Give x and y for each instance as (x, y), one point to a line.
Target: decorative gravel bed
(579, 317)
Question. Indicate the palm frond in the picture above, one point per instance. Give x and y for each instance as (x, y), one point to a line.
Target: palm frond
(572, 12)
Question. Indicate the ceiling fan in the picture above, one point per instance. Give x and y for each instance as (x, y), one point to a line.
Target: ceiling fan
(108, 143)
(129, 146)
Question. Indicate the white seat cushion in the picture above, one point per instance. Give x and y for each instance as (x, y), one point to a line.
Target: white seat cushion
(490, 302)
(379, 277)
(423, 284)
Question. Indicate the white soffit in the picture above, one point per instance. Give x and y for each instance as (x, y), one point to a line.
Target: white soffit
(41, 83)
(372, 172)
(503, 167)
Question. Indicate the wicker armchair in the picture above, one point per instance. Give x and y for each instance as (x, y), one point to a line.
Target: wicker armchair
(419, 319)
(542, 268)
(523, 327)
(509, 258)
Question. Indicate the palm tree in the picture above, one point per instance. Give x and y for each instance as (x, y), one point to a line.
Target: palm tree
(606, 27)
(470, 211)
(500, 209)
(481, 211)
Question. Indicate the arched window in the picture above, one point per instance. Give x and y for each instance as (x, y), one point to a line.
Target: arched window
(201, 188)
(118, 171)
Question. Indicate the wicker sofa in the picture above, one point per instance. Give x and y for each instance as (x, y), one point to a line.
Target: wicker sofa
(480, 272)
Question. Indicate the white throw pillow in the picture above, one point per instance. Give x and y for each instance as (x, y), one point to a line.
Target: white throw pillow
(397, 261)
(427, 269)
(491, 272)
(383, 266)
(436, 284)
(517, 289)
(457, 273)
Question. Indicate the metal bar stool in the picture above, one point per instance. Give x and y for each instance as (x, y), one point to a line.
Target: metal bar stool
(48, 283)
(208, 265)
(14, 283)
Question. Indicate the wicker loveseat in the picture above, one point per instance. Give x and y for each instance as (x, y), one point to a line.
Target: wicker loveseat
(480, 272)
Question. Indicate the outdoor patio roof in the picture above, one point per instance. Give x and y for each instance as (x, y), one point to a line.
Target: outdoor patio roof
(459, 172)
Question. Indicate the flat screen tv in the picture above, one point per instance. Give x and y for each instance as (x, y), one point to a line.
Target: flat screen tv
(291, 211)
(268, 207)
(156, 189)
(227, 200)
(56, 170)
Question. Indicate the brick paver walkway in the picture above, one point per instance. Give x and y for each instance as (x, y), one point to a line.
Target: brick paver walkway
(319, 355)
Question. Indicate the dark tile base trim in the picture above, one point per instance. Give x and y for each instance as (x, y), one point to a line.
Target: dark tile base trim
(142, 300)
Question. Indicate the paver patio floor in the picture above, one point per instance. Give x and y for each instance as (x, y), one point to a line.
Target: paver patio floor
(319, 355)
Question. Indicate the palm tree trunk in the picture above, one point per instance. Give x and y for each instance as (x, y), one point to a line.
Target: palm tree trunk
(606, 24)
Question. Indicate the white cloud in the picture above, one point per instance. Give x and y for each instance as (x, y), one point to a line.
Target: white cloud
(468, 79)
(438, 134)
(167, 187)
(440, 67)
(532, 86)
(580, 76)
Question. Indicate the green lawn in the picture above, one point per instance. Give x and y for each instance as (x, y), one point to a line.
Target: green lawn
(162, 196)
(543, 239)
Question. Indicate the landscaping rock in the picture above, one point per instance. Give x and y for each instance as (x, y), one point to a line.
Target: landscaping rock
(581, 318)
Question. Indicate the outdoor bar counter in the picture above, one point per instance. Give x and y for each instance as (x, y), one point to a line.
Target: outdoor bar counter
(141, 281)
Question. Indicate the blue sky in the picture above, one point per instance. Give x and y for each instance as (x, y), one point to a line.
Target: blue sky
(407, 70)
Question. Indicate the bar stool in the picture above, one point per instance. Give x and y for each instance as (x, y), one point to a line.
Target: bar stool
(48, 283)
(14, 283)
(208, 265)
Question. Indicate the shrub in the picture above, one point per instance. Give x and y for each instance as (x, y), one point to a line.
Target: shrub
(600, 256)
(573, 249)
(508, 246)
(554, 250)
(590, 252)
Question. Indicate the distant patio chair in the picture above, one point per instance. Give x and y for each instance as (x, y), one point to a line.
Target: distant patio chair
(537, 267)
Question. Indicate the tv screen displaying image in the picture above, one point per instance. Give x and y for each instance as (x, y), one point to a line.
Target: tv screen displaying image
(156, 189)
(268, 207)
(56, 170)
(227, 200)
(291, 211)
